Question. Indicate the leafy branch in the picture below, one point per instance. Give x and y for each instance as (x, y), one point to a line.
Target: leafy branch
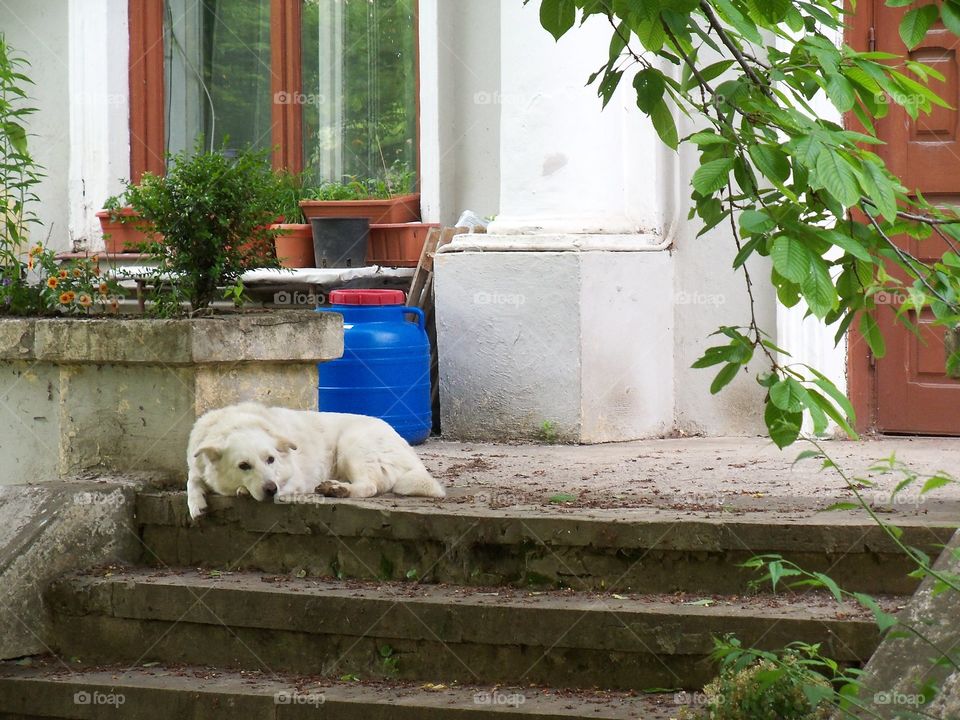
(797, 188)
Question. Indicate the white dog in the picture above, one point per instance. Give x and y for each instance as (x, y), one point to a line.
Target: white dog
(270, 451)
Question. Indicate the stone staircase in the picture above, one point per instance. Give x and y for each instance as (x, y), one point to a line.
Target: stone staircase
(414, 609)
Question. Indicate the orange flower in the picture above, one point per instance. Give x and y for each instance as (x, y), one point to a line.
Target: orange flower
(77, 272)
(36, 250)
(96, 270)
(63, 274)
(84, 300)
(95, 259)
(104, 288)
(67, 297)
(52, 283)
(114, 306)
(30, 263)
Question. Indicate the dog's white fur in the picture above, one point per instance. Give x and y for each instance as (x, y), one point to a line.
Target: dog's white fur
(265, 451)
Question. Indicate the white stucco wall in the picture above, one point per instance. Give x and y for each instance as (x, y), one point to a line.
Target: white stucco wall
(39, 32)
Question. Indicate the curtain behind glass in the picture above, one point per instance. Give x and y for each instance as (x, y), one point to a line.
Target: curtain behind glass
(359, 80)
(218, 73)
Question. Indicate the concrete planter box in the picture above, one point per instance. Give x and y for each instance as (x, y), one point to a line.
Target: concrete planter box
(123, 394)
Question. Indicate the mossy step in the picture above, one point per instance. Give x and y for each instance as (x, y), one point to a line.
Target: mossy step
(646, 549)
(53, 691)
(433, 633)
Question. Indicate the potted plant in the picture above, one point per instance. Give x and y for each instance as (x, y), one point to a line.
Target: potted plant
(294, 237)
(124, 231)
(397, 244)
(390, 199)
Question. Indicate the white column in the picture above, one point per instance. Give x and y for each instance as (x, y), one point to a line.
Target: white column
(563, 313)
(565, 166)
(99, 111)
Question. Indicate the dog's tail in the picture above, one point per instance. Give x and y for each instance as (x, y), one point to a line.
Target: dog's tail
(418, 482)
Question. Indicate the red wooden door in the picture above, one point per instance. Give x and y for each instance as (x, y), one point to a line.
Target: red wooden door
(913, 395)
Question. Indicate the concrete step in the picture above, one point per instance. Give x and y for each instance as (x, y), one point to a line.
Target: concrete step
(622, 549)
(52, 691)
(433, 633)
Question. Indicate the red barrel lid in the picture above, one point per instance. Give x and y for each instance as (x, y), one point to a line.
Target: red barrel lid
(367, 297)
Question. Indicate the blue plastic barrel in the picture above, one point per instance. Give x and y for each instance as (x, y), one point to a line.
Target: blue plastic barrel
(385, 368)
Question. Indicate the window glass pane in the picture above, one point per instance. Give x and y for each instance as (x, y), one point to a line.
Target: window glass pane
(217, 73)
(360, 88)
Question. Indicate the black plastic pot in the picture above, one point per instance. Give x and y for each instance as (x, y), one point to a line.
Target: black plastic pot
(340, 242)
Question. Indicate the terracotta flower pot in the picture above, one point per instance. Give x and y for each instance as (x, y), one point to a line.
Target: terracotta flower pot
(399, 209)
(123, 237)
(294, 245)
(397, 244)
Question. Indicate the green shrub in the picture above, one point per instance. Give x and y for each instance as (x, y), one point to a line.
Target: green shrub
(767, 690)
(210, 217)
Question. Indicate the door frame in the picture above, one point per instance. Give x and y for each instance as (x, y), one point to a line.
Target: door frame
(861, 364)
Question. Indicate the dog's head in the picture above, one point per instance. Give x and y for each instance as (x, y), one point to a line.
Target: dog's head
(250, 462)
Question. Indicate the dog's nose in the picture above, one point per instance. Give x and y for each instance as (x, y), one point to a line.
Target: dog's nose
(270, 488)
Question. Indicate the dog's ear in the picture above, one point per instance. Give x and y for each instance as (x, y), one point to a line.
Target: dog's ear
(212, 454)
(285, 445)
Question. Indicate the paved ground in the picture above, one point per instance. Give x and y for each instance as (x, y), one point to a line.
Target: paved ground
(695, 474)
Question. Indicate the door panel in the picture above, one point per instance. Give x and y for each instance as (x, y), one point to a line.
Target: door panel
(913, 395)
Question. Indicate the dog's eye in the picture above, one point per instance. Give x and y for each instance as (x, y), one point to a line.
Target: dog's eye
(270, 460)
(245, 466)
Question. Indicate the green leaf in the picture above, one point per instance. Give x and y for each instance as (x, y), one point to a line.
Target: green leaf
(870, 331)
(756, 221)
(830, 584)
(818, 289)
(649, 86)
(833, 391)
(950, 13)
(558, 16)
(836, 175)
(879, 189)
(561, 498)
(784, 427)
(847, 243)
(840, 92)
(916, 23)
(937, 481)
(665, 125)
(712, 176)
(17, 136)
(771, 161)
(608, 85)
(745, 27)
(708, 137)
(724, 377)
(788, 395)
(791, 258)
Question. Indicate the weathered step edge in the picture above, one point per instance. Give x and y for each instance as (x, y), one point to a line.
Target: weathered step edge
(159, 694)
(436, 635)
(646, 550)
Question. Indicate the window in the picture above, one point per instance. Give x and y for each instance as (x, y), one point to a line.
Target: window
(360, 89)
(329, 85)
(217, 74)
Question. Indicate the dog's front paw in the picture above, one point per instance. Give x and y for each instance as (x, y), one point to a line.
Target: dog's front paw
(332, 489)
(197, 506)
